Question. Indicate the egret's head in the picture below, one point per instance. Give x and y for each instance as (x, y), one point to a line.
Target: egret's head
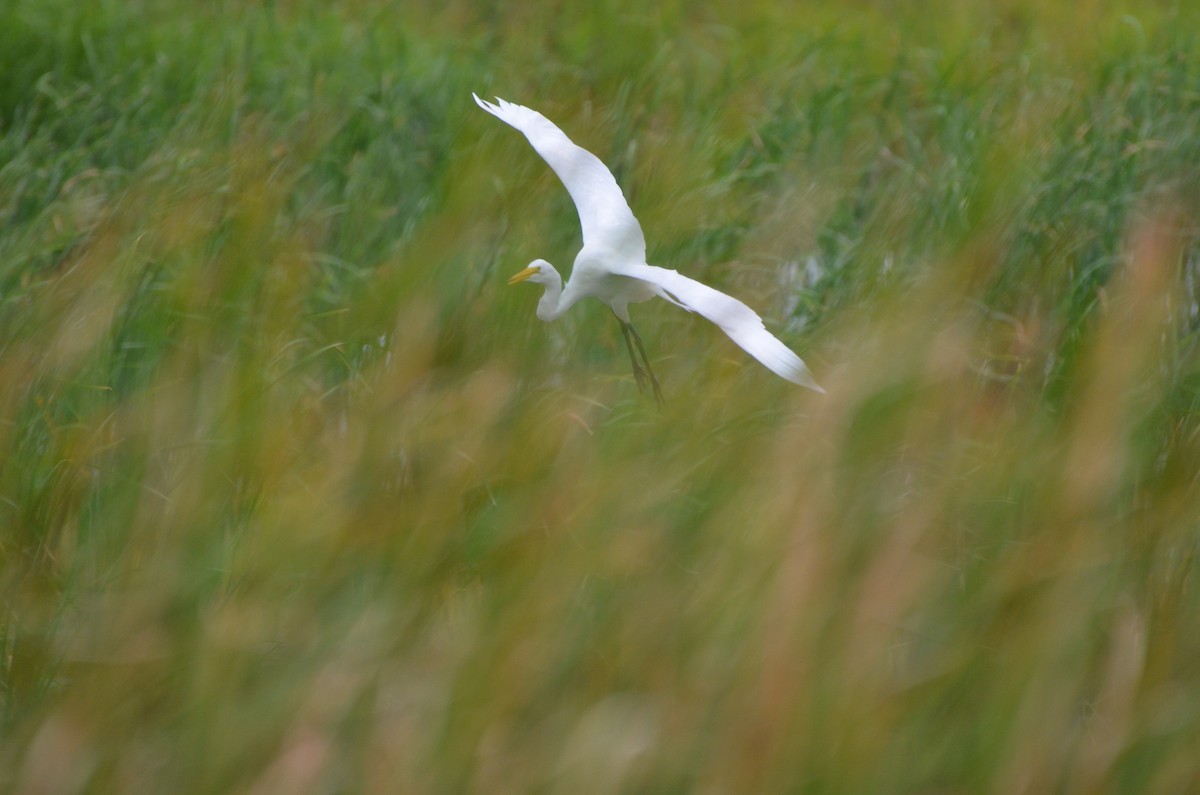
(538, 272)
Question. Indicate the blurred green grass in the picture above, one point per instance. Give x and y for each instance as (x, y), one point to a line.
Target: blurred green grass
(296, 496)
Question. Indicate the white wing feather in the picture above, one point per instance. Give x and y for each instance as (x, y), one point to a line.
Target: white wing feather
(607, 221)
(740, 322)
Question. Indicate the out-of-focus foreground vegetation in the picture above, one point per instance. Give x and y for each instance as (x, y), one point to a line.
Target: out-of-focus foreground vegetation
(297, 496)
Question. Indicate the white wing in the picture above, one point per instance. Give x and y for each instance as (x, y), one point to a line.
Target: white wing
(607, 221)
(736, 319)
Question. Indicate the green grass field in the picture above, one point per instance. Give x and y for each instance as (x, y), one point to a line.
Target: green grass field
(296, 496)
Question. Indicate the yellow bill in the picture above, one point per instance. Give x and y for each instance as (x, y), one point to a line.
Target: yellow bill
(523, 275)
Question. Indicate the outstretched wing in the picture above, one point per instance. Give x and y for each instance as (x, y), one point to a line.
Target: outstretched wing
(739, 321)
(607, 221)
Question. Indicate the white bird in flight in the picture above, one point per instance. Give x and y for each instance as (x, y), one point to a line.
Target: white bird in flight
(612, 267)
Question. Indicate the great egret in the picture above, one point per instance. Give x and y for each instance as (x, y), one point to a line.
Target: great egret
(612, 267)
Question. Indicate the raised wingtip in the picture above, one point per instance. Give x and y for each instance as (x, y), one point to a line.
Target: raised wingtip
(489, 107)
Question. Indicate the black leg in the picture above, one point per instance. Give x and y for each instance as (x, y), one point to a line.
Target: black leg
(639, 375)
(649, 370)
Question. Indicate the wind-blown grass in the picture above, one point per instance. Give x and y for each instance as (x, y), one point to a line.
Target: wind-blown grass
(296, 496)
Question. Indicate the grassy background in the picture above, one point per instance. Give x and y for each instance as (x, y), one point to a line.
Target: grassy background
(296, 496)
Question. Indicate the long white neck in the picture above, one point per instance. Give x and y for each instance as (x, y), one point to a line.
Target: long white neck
(552, 306)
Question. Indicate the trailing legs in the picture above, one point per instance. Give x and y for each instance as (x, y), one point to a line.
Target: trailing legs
(640, 375)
